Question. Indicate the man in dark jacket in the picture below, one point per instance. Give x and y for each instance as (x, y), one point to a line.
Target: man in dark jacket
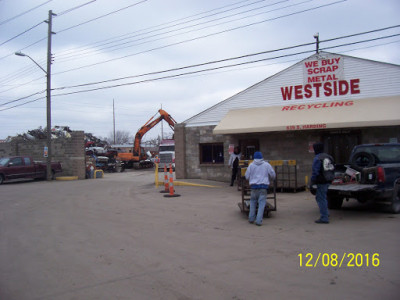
(234, 163)
(322, 184)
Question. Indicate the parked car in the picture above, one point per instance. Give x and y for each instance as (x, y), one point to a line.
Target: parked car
(17, 167)
(373, 174)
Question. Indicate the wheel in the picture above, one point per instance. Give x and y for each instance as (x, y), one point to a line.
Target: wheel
(335, 202)
(1, 179)
(362, 160)
(395, 205)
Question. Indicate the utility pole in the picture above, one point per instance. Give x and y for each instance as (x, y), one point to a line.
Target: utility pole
(48, 94)
(162, 128)
(114, 120)
(316, 36)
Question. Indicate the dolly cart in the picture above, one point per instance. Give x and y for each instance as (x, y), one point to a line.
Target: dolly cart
(244, 205)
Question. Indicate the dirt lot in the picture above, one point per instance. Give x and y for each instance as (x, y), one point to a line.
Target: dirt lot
(119, 238)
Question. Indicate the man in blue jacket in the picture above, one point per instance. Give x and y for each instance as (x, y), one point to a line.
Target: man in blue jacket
(321, 182)
(259, 173)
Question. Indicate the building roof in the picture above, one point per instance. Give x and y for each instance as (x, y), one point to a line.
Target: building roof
(376, 79)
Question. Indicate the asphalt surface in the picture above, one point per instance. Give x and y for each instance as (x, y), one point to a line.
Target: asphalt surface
(119, 238)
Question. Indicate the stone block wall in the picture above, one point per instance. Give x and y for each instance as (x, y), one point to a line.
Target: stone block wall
(274, 146)
(69, 151)
(290, 145)
(187, 154)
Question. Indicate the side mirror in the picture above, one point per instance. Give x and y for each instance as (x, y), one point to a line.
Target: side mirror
(10, 164)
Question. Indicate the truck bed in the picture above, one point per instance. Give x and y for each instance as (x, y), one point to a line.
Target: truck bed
(352, 187)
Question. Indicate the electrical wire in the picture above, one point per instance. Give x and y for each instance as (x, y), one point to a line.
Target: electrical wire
(198, 71)
(74, 8)
(100, 17)
(241, 6)
(23, 13)
(152, 29)
(207, 63)
(200, 37)
(18, 35)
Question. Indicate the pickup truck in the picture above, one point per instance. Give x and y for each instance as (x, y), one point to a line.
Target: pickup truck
(373, 174)
(22, 167)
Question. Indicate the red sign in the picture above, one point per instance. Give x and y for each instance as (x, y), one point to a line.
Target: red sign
(313, 106)
(327, 89)
(322, 77)
(323, 69)
(318, 105)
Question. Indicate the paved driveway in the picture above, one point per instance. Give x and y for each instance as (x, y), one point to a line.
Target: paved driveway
(119, 238)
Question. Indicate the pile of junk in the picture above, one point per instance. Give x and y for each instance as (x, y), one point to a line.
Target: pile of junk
(102, 158)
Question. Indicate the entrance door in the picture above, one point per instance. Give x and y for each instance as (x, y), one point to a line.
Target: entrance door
(249, 147)
(339, 145)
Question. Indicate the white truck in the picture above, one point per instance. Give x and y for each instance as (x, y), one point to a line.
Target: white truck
(166, 154)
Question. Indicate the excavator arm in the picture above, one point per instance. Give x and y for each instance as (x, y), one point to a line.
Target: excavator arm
(149, 125)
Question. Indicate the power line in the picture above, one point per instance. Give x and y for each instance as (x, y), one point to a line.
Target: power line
(29, 29)
(190, 30)
(74, 8)
(220, 67)
(208, 63)
(200, 37)
(190, 66)
(77, 25)
(23, 13)
(119, 44)
(197, 72)
(170, 22)
(152, 28)
(100, 17)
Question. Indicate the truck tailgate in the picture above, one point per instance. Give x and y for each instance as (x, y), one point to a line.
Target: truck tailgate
(352, 187)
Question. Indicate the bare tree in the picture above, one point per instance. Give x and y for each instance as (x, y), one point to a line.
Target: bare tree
(154, 142)
(121, 137)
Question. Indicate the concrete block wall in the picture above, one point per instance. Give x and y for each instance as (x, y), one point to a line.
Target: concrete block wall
(180, 151)
(69, 151)
(274, 146)
(293, 145)
(187, 161)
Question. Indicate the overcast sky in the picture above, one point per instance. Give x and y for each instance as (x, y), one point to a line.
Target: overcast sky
(105, 40)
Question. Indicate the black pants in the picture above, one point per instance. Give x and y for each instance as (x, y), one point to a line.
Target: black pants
(234, 175)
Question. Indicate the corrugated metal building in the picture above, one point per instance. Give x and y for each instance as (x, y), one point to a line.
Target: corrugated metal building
(339, 100)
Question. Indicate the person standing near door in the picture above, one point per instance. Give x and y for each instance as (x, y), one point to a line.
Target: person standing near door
(234, 163)
(322, 175)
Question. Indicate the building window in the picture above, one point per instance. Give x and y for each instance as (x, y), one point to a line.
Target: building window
(212, 153)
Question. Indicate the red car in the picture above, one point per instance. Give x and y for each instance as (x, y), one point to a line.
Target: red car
(17, 167)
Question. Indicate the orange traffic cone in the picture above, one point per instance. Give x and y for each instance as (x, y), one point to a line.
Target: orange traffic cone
(171, 184)
(166, 185)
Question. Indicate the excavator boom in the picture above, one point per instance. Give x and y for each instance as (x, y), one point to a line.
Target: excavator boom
(137, 155)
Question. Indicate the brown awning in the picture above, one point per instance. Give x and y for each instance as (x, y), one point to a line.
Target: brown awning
(383, 111)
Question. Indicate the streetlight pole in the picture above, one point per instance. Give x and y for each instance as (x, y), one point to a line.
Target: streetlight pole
(48, 97)
(48, 93)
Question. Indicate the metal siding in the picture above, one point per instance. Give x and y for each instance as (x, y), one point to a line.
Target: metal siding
(376, 80)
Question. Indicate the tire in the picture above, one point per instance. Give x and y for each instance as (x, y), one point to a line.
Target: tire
(395, 205)
(335, 202)
(362, 160)
(1, 179)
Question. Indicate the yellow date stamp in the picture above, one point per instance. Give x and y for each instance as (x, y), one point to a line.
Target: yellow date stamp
(345, 260)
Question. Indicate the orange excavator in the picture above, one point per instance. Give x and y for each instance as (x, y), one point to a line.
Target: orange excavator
(138, 158)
